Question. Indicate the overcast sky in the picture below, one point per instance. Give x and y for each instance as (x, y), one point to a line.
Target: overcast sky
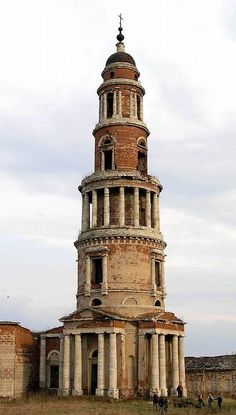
(52, 54)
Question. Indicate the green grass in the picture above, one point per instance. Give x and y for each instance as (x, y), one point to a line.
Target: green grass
(46, 405)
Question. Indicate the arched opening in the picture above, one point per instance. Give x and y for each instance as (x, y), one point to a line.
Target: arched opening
(112, 74)
(109, 104)
(96, 302)
(96, 273)
(107, 159)
(53, 370)
(157, 303)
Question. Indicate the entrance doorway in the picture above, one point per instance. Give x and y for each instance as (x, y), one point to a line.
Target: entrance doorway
(54, 376)
(93, 372)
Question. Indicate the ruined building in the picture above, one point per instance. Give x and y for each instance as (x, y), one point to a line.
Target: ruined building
(119, 341)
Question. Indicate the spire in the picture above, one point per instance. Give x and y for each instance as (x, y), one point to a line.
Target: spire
(120, 45)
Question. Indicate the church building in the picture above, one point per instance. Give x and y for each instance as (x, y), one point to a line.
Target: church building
(120, 341)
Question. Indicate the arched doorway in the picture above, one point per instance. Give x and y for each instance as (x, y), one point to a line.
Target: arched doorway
(93, 365)
(53, 369)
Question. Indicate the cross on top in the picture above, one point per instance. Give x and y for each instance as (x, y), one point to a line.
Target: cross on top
(121, 18)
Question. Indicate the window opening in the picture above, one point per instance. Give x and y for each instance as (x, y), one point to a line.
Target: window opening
(142, 162)
(107, 159)
(54, 376)
(157, 273)
(109, 105)
(97, 270)
(157, 303)
(138, 107)
(112, 74)
(136, 77)
(96, 302)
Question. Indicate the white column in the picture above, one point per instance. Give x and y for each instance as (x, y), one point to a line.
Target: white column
(85, 212)
(182, 365)
(88, 276)
(61, 365)
(162, 364)
(120, 103)
(78, 366)
(42, 363)
(104, 274)
(155, 212)
(175, 365)
(162, 271)
(148, 208)
(122, 206)
(100, 380)
(123, 363)
(136, 207)
(105, 105)
(141, 364)
(114, 103)
(131, 104)
(100, 108)
(113, 391)
(135, 106)
(155, 364)
(153, 271)
(66, 365)
(106, 207)
(94, 208)
(141, 108)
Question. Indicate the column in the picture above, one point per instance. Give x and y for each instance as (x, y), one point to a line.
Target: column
(106, 207)
(148, 208)
(153, 271)
(175, 365)
(135, 106)
(100, 108)
(141, 364)
(104, 105)
(136, 207)
(162, 270)
(100, 380)
(141, 108)
(94, 208)
(131, 104)
(42, 363)
(123, 364)
(113, 391)
(120, 103)
(155, 364)
(162, 364)
(61, 365)
(77, 390)
(87, 288)
(155, 211)
(122, 206)
(182, 365)
(85, 213)
(114, 103)
(66, 365)
(104, 274)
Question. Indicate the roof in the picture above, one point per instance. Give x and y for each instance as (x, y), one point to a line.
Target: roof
(209, 363)
(120, 57)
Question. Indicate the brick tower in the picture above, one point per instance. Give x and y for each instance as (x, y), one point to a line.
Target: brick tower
(120, 341)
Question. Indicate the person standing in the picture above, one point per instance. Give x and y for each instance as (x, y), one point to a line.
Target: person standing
(200, 401)
(210, 399)
(219, 401)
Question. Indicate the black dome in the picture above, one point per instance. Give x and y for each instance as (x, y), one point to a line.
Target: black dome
(120, 57)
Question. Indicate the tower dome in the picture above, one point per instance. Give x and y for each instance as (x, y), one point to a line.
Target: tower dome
(120, 57)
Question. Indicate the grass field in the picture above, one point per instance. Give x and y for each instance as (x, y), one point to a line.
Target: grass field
(41, 405)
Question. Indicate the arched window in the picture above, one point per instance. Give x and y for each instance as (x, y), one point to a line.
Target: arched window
(109, 104)
(96, 302)
(157, 303)
(107, 153)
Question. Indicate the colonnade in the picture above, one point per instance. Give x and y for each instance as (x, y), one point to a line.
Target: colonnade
(90, 220)
(134, 111)
(158, 362)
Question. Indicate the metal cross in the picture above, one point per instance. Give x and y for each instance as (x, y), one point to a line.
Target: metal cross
(121, 18)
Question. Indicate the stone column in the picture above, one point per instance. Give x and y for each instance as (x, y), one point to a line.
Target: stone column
(100, 380)
(106, 207)
(100, 108)
(175, 365)
(135, 106)
(88, 276)
(104, 105)
(162, 271)
(66, 365)
(114, 103)
(120, 103)
(153, 271)
(155, 364)
(155, 211)
(122, 207)
(42, 363)
(148, 208)
(141, 108)
(123, 364)
(94, 208)
(136, 207)
(61, 365)
(182, 364)
(162, 364)
(141, 364)
(85, 213)
(77, 390)
(83, 227)
(131, 104)
(113, 391)
(104, 274)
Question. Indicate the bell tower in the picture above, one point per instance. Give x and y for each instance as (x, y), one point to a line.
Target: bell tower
(120, 340)
(120, 247)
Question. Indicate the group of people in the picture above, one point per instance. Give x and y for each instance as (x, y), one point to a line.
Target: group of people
(160, 402)
(210, 399)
